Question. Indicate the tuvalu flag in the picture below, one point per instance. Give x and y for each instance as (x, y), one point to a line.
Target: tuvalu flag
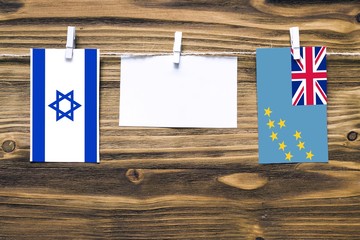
(292, 101)
(64, 106)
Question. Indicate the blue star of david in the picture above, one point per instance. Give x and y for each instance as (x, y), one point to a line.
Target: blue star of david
(56, 105)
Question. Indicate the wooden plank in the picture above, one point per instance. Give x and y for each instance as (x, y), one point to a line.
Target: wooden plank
(179, 183)
(187, 147)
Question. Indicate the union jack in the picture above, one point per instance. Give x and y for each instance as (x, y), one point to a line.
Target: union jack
(309, 77)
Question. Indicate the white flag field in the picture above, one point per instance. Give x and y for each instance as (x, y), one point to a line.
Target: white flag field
(199, 92)
(64, 106)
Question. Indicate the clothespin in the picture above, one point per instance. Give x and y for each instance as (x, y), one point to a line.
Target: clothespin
(177, 47)
(70, 42)
(295, 42)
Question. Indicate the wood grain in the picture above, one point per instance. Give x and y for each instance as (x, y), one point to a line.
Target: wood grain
(166, 183)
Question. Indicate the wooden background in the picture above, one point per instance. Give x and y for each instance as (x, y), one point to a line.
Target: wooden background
(179, 183)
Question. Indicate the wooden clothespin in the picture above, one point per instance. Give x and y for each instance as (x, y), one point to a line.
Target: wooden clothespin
(295, 42)
(177, 47)
(70, 42)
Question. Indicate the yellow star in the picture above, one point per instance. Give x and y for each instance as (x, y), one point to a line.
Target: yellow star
(267, 112)
(273, 136)
(297, 135)
(270, 124)
(309, 155)
(301, 145)
(288, 156)
(281, 123)
(282, 146)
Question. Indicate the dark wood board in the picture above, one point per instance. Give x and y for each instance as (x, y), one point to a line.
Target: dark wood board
(167, 183)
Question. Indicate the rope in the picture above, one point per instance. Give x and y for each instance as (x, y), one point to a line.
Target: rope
(127, 54)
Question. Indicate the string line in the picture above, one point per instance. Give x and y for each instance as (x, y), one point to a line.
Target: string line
(129, 54)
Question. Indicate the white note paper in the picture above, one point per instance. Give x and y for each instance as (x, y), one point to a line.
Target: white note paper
(200, 92)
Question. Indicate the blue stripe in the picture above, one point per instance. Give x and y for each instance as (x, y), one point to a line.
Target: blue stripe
(91, 119)
(38, 105)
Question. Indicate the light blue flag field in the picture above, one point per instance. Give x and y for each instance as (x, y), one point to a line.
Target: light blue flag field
(287, 133)
(64, 106)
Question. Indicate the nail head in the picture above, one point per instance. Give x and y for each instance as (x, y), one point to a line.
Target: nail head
(8, 146)
(352, 136)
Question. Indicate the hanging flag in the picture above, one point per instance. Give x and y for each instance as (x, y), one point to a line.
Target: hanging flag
(64, 106)
(287, 133)
(200, 92)
(309, 77)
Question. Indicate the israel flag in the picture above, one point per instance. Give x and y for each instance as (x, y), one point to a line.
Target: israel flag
(64, 106)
